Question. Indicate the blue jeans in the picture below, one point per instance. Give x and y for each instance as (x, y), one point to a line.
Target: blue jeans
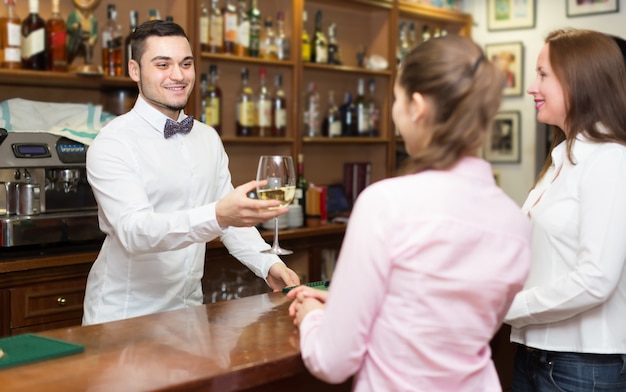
(549, 371)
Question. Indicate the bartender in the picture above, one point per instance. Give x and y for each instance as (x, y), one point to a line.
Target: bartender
(163, 189)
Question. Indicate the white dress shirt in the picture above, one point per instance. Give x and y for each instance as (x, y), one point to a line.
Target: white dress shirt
(575, 296)
(156, 204)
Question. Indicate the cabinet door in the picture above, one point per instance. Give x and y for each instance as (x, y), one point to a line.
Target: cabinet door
(47, 302)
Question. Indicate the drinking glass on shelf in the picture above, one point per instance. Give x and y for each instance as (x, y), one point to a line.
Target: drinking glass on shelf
(280, 175)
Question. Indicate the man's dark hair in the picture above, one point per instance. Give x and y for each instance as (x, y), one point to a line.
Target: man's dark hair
(622, 46)
(152, 28)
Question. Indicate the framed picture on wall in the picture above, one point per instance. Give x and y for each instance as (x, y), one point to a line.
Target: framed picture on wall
(509, 57)
(590, 7)
(503, 144)
(510, 14)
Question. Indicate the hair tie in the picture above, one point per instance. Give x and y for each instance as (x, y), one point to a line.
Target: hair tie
(477, 63)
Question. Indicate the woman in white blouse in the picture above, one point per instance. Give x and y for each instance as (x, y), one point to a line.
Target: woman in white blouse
(570, 319)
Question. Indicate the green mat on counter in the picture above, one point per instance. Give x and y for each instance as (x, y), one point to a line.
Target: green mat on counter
(320, 285)
(27, 348)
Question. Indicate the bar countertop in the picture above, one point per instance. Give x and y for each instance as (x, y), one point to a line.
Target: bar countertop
(243, 344)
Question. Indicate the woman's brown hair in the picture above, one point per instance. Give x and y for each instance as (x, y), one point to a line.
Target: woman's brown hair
(465, 90)
(590, 69)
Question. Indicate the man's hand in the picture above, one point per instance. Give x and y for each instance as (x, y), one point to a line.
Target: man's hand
(280, 276)
(238, 210)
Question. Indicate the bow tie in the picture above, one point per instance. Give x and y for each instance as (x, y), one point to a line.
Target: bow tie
(173, 127)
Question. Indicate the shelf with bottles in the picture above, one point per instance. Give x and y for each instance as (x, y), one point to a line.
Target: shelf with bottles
(436, 15)
(229, 58)
(66, 80)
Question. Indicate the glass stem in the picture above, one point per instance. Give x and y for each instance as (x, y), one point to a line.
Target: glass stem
(275, 246)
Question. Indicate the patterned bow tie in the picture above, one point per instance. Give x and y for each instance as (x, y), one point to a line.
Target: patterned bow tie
(173, 127)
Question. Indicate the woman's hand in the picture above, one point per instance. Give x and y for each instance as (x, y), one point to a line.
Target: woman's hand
(305, 300)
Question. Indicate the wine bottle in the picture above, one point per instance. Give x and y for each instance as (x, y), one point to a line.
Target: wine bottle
(254, 16)
(34, 46)
(128, 53)
(229, 12)
(306, 40)
(332, 122)
(245, 107)
(283, 43)
(216, 29)
(263, 106)
(11, 38)
(320, 44)
(312, 124)
(56, 31)
(204, 27)
(112, 52)
(362, 110)
(302, 186)
(348, 116)
(334, 55)
(243, 30)
(374, 110)
(279, 107)
(212, 101)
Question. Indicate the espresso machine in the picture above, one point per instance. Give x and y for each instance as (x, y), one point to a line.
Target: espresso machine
(44, 194)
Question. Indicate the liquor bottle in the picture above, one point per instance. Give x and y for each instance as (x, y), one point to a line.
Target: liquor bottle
(348, 117)
(306, 40)
(269, 50)
(57, 38)
(204, 27)
(34, 46)
(112, 37)
(216, 29)
(128, 53)
(362, 110)
(245, 107)
(212, 101)
(320, 44)
(403, 43)
(374, 110)
(243, 30)
(11, 38)
(425, 33)
(169, 18)
(302, 186)
(263, 106)
(332, 122)
(204, 81)
(153, 14)
(334, 55)
(312, 123)
(412, 36)
(229, 12)
(283, 44)
(279, 107)
(254, 16)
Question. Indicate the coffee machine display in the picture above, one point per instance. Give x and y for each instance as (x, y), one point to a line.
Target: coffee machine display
(44, 194)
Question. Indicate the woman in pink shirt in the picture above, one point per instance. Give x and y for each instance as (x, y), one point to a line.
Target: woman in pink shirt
(432, 258)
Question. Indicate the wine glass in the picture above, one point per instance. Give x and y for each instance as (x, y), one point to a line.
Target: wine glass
(280, 175)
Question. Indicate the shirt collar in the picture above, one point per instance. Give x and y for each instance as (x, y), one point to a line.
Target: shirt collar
(474, 167)
(581, 149)
(152, 116)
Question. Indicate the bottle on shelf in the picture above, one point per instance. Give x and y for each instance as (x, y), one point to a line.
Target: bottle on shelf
(320, 44)
(229, 12)
(334, 54)
(56, 31)
(243, 30)
(362, 110)
(302, 186)
(254, 16)
(403, 42)
(204, 27)
(153, 14)
(279, 108)
(216, 28)
(374, 110)
(263, 106)
(283, 43)
(11, 38)
(348, 117)
(169, 18)
(312, 114)
(332, 121)
(112, 37)
(306, 40)
(425, 33)
(34, 45)
(204, 82)
(412, 35)
(245, 115)
(128, 53)
(269, 50)
(212, 101)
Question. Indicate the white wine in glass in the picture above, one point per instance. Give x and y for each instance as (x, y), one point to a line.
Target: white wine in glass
(280, 175)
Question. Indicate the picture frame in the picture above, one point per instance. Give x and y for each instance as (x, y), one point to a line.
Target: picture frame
(509, 57)
(510, 14)
(503, 144)
(590, 7)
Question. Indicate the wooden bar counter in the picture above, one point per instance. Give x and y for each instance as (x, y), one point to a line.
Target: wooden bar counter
(243, 344)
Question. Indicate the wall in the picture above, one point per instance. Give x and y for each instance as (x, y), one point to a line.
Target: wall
(517, 178)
